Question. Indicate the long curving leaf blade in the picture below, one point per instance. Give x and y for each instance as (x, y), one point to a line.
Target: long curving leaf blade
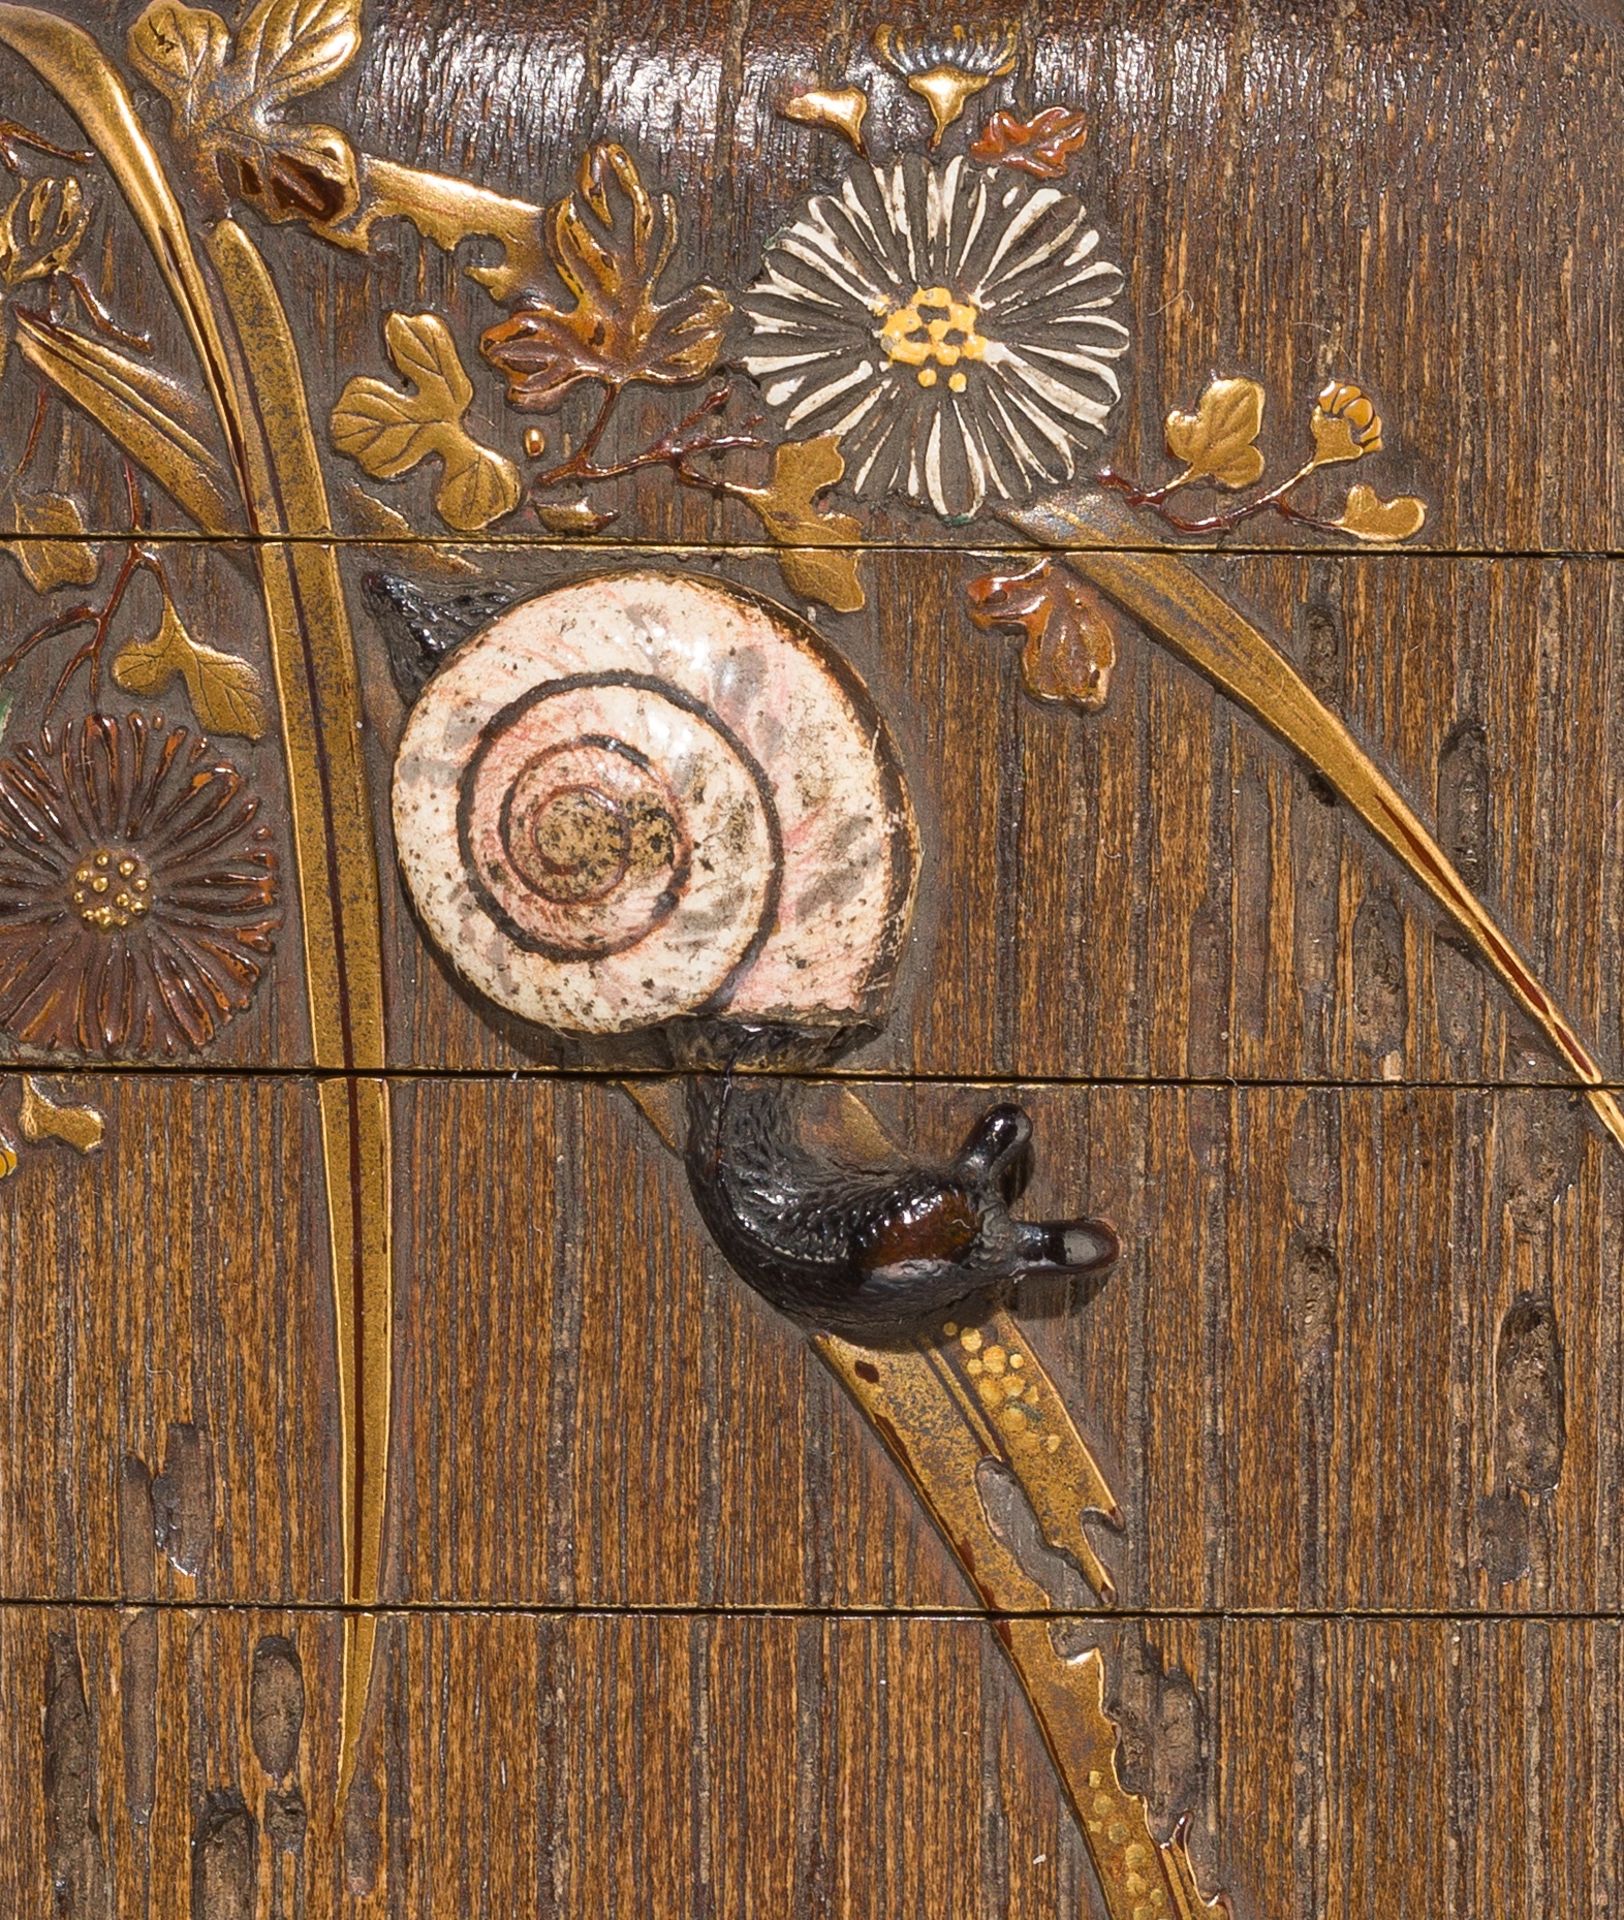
(1104, 542)
(151, 417)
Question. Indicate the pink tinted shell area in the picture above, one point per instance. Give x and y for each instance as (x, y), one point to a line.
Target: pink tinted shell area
(840, 841)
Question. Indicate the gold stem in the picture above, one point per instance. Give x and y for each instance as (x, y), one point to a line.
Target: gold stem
(313, 656)
(940, 1440)
(257, 387)
(1166, 595)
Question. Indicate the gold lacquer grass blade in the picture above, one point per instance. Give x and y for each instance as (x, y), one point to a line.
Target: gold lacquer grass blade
(251, 369)
(150, 416)
(942, 1426)
(1167, 597)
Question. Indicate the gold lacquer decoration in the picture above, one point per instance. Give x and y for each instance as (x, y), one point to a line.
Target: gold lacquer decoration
(388, 432)
(962, 1399)
(229, 93)
(946, 330)
(42, 1120)
(947, 70)
(943, 1424)
(1070, 629)
(224, 689)
(42, 229)
(1139, 1877)
(611, 243)
(227, 96)
(141, 887)
(1216, 445)
(843, 108)
(1175, 604)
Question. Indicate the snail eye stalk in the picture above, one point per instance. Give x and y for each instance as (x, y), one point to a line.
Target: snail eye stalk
(871, 1252)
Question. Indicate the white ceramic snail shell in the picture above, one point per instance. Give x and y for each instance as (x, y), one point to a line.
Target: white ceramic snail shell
(644, 795)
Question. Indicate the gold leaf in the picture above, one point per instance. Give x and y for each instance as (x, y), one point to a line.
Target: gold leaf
(283, 48)
(387, 432)
(225, 690)
(823, 573)
(787, 508)
(42, 1118)
(479, 486)
(571, 516)
(8, 1158)
(226, 100)
(1215, 442)
(842, 108)
(611, 242)
(47, 552)
(289, 47)
(947, 71)
(1368, 517)
(179, 50)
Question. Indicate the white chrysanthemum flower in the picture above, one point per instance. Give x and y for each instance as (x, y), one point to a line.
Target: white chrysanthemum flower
(949, 323)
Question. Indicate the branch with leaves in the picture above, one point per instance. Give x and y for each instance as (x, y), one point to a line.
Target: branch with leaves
(1217, 447)
(610, 242)
(225, 690)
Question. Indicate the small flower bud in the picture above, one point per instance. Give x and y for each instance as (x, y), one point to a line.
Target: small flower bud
(41, 230)
(1345, 425)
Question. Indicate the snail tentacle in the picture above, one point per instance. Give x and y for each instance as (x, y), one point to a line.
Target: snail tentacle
(862, 1250)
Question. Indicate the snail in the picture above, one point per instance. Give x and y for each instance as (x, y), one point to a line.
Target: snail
(869, 1250)
(641, 797)
(646, 800)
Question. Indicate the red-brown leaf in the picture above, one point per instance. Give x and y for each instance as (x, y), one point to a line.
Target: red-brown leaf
(1070, 631)
(1042, 145)
(610, 242)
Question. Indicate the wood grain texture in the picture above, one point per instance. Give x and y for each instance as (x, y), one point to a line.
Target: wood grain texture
(1154, 891)
(1158, 890)
(1358, 1382)
(592, 1411)
(1415, 198)
(587, 1765)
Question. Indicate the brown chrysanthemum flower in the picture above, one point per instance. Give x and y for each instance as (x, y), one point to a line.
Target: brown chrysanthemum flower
(138, 893)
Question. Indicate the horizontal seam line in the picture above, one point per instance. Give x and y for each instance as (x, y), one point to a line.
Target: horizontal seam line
(521, 543)
(871, 1076)
(764, 1611)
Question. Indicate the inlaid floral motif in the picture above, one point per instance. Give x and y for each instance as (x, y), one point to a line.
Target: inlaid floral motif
(953, 326)
(138, 889)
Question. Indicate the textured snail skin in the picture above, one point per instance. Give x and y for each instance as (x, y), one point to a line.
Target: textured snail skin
(870, 1253)
(421, 630)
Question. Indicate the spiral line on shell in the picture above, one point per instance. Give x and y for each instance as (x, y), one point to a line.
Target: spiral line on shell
(644, 796)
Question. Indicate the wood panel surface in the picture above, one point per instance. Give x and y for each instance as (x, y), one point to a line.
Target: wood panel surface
(1326, 1374)
(586, 1764)
(1155, 891)
(664, 1631)
(1414, 197)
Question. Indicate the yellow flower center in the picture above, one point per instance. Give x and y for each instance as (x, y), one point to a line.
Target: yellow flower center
(934, 330)
(111, 889)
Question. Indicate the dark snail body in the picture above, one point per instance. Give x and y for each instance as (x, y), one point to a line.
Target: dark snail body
(861, 1250)
(422, 630)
